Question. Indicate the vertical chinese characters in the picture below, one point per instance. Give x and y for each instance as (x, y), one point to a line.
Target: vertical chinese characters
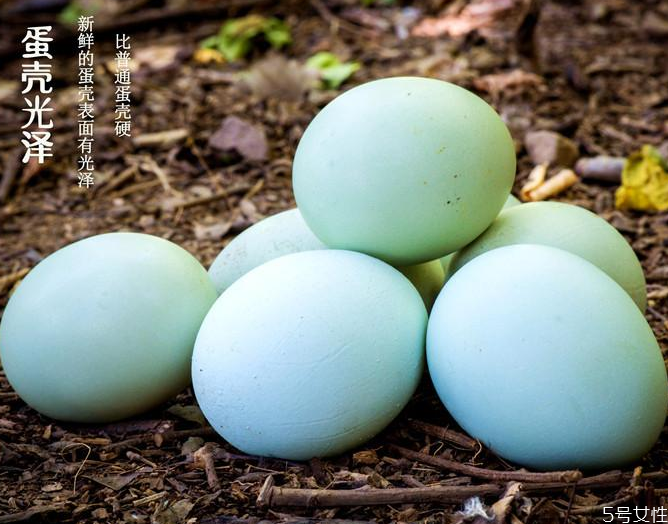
(86, 109)
(123, 125)
(36, 76)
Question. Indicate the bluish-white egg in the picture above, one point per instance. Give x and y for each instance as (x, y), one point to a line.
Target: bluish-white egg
(547, 360)
(310, 354)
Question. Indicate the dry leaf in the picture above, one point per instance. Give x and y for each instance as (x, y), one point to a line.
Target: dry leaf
(174, 514)
(191, 413)
(644, 182)
(236, 134)
(212, 231)
(278, 77)
(367, 456)
(500, 82)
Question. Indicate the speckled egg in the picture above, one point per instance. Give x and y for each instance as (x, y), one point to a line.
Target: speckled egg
(405, 169)
(310, 354)
(270, 238)
(547, 360)
(104, 328)
(286, 233)
(511, 201)
(567, 227)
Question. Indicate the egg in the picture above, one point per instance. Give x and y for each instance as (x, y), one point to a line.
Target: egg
(270, 238)
(511, 201)
(404, 169)
(286, 233)
(568, 227)
(428, 279)
(104, 328)
(547, 360)
(310, 354)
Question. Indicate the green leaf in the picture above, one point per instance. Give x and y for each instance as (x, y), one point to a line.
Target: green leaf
(237, 36)
(332, 71)
(70, 14)
(277, 33)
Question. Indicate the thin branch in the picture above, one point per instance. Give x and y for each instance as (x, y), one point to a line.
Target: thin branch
(488, 474)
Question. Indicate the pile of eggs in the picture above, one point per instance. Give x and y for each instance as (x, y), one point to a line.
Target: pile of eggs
(311, 330)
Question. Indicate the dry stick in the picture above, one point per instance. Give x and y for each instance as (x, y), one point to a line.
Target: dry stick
(28, 514)
(335, 22)
(489, 474)
(444, 433)
(591, 510)
(270, 495)
(204, 458)
(166, 436)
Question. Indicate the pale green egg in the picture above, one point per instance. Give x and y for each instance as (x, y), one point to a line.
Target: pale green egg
(547, 360)
(445, 261)
(286, 233)
(428, 279)
(104, 328)
(405, 169)
(567, 227)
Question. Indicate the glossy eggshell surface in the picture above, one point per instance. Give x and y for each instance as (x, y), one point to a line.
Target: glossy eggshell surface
(310, 354)
(567, 227)
(404, 169)
(511, 201)
(104, 328)
(546, 360)
(272, 237)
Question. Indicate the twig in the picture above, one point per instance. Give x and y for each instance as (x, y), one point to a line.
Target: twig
(335, 22)
(28, 514)
(8, 280)
(166, 436)
(489, 474)
(271, 495)
(150, 498)
(591, 510)
(444, 433)
(203, 458)
(234, 190)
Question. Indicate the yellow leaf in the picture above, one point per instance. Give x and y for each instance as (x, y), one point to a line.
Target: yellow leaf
(206, 56)
(644, 182)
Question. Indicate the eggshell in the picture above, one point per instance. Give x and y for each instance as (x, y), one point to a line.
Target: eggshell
(405, 169)
(428, 279)
(270, 238)
(546, 360)
(511, 201)
(568, 227)
(310, 354)
(104, 328)
(286, 233)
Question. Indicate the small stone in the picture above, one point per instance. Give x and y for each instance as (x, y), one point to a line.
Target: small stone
(551, 148)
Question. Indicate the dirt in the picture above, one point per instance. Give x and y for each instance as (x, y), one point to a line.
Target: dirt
(594, 72)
